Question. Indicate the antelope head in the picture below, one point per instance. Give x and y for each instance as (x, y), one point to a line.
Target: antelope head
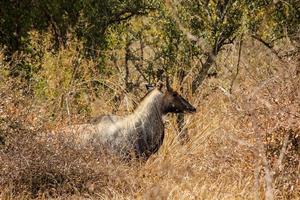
(172, 102)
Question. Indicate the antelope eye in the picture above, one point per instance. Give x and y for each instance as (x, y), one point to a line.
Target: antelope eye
(174, 95)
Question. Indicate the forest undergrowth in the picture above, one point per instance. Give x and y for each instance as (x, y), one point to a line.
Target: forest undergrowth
(243, 142)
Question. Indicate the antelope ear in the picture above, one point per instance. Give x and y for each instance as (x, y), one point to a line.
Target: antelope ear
(149, 87)
(160, 85)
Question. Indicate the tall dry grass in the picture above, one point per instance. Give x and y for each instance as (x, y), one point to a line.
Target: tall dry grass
(243, 140)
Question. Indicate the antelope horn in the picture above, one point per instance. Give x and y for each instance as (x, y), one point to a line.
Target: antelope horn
(168, 83)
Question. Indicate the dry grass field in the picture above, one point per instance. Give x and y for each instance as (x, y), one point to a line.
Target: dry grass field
(244, 140)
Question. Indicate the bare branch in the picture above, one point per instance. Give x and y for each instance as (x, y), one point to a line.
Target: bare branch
(238, 65)
(278, 165)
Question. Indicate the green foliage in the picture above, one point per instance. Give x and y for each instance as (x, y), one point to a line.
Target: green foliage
(89, 19)
(274, 20)
(220, 22)
(134, 39)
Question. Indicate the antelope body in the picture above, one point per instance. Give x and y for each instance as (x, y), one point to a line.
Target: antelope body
(141, 132)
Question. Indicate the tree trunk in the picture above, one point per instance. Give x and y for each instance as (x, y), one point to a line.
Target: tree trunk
(200, 77)
(183, 134)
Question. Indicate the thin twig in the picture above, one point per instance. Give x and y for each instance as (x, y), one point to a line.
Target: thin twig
(237, 66)
(278, 165)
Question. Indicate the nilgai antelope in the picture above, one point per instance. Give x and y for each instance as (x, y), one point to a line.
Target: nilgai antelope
(141, 133)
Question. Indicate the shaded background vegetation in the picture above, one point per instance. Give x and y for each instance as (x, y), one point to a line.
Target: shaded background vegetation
(64, 62)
